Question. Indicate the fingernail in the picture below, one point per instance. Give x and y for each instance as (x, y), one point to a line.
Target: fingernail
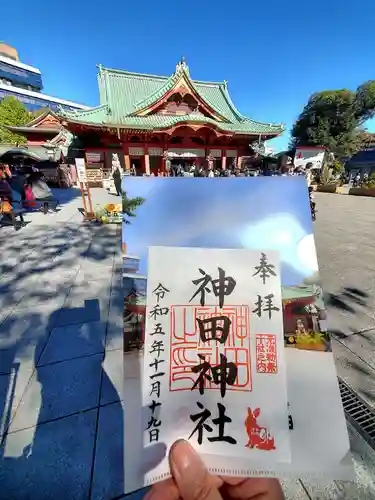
(183, 458)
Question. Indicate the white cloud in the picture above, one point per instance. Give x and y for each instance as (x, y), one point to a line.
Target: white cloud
(307, 253)
(284, 233)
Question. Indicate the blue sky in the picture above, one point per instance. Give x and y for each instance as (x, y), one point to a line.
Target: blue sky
(224, 213)
(273, 54)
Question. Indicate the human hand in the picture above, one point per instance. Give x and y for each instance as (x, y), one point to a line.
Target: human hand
(192, 481)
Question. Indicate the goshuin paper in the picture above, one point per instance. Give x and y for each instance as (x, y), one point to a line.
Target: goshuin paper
(214, 369)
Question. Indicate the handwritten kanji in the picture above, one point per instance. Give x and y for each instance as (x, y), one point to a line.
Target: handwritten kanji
(155, 364)
(222, 286)
(158, 330)
(155, 388)
(157, 347)
(158, 311)
(153, 434)
(160, 292)
(222, 374)
(264, 269)
(202, 425)
(265, 305)
(153, 422)
(215, 328)
(153, 406)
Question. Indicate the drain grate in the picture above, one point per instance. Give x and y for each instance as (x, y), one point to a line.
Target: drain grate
(359, 414)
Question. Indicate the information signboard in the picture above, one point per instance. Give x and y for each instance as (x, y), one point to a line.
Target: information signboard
(81, 170)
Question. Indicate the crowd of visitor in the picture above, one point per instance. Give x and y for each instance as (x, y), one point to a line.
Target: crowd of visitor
(23, 188)
(357, 180)
(195, 170)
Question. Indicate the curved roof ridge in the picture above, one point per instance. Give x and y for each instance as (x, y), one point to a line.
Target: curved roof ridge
(235, 111)
(132, 73)
(203, 82)
(240, 115)
(162, 122)
(155, 94)
(158, 77)
(276, 125)
(40, 117)
(207, 102)
(82, 113)
(168, 84)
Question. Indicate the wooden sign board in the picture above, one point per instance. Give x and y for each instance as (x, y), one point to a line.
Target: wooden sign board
(81, 170)
(84, 187)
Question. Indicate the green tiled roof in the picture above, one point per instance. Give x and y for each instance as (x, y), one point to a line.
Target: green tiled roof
(93, 115)
(122, 94)
(297, 292)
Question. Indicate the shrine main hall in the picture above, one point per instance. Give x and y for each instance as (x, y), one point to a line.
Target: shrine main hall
(151, 122)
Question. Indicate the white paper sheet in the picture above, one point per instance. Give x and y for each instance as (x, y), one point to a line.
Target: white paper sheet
(240, 412)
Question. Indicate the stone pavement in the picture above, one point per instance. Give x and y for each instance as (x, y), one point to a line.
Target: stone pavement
(345, 239)
(61, 419)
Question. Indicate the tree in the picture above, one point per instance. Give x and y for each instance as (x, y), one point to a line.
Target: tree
(12, 113)
(129, 205)
(335, 118)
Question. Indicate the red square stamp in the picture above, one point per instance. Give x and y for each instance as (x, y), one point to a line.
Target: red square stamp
(186, 343)
(266, 353)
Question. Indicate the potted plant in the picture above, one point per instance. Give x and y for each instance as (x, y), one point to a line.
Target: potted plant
(129, 206)
(328, 184)
(109, 213)
(312, 341)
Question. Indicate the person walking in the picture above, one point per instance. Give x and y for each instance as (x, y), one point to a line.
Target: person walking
(117, 181)
(40, 189)
(357, 180)
(308, 176)
(5, 189)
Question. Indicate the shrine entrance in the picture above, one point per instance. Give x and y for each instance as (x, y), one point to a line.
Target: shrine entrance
(184, 159)
(184, 162)
(138, 165)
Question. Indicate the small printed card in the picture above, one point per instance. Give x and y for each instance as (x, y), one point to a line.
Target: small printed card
(214, 369)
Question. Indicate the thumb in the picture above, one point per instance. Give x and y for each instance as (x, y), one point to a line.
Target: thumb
(191, 476)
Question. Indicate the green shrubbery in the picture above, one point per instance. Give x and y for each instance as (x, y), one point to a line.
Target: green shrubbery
(310, 338)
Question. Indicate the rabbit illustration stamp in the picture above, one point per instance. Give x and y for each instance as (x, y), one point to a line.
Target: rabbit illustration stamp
(259, 437)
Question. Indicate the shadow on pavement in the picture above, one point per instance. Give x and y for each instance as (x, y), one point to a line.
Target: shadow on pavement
(61, 417)
(66, 195)
(354, 348)
(348, 297)
(347, 310)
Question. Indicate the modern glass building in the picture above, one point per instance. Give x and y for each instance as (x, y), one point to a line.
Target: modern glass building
(24, 82)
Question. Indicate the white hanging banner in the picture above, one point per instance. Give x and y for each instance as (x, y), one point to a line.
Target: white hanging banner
(186, 153)
(216, 153)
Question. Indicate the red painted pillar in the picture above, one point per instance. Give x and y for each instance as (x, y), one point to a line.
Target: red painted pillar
(223, 159)
(147, 161)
